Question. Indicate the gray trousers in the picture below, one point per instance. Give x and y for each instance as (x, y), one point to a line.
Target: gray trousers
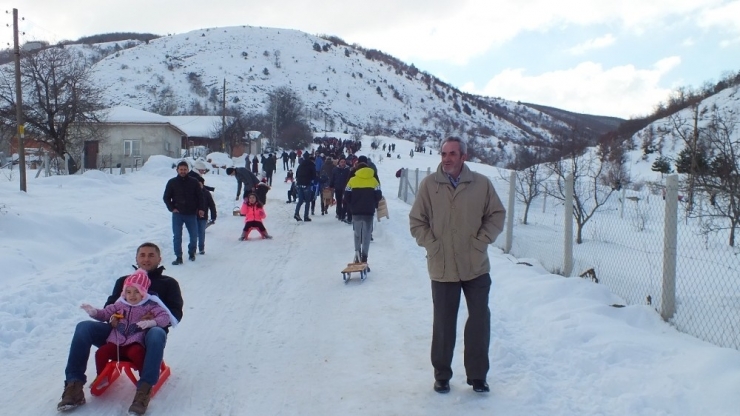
(446, 298)
(363, 227)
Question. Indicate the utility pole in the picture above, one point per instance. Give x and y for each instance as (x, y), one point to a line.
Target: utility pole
(19, 103)
(223, 119)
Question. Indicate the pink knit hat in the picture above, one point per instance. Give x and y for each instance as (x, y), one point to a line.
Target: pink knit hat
(140, 280)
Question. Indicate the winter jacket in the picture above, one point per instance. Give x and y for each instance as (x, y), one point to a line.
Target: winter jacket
(244, 176)
(339, 177)
(261, 192)
(164, 287)
(326, 170)
(319, 163)
(210, 206)
(269, 165)
(252, 212)
(362, 193)
(127, 332)
(305, 173)
(456, 225)
(184, 194)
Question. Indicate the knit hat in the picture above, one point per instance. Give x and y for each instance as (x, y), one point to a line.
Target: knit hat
(139, 280)
(199, 165)
(362, 159)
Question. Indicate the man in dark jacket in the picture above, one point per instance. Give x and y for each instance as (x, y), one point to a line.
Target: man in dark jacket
(338, 181)
(284, 157)
(304, 177)
(362, 194)
(269, 167)
(89, 333)
(184, 198)
(243, 176)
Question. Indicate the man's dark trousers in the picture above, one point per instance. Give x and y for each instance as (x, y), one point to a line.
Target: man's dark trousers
(446, 299)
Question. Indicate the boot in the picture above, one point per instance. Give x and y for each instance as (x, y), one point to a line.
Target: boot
(297, 217)
(363, 258)
(141, 399)
(177, 261)
(306, 218)
(72, 396)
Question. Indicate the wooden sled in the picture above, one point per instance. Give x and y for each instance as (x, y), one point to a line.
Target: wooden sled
(360, 268)
(114, 369)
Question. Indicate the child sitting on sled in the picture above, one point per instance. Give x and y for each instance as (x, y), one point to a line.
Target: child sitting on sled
(130, 316)
(289, 176)
(254, 212)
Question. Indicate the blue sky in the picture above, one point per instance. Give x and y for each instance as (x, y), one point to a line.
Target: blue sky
(610, 58)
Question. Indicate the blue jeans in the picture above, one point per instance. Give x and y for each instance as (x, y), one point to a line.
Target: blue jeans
(92, 333)
(191, 223)
(305, 195)
(202, 223)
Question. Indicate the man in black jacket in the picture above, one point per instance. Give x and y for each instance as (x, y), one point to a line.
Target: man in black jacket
(338, 181)
(89, 333)
(184, 199)
(243, 176)
(304, 176)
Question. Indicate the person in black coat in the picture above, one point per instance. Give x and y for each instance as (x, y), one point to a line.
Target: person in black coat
(243, 176)
(184, 198)
(338, 181)
(203, 221)
(304, 177)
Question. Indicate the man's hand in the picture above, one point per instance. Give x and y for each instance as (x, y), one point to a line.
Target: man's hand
(237, 198)
(175, 211)
(201, 213)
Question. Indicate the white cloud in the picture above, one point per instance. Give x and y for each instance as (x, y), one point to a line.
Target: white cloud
(621, 91)
(726, 16)
(688, 42)
(591, 44)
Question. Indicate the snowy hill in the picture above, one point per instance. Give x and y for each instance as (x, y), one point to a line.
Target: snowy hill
(345, 88)
(663, 138)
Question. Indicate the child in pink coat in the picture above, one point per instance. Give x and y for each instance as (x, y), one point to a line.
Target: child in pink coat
(130, 316)
(254, 214)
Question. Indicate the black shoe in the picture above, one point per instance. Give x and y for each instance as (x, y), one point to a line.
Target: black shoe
(442, 386)
(202, 252)
(288, 201)
(306, 218)
(313, 213)
(177, 261)
(479, 386)
(297, 217)
(191, 257)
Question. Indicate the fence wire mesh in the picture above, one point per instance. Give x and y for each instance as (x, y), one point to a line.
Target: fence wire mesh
(623, 247)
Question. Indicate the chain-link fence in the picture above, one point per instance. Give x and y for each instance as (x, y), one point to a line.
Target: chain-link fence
(644, 245)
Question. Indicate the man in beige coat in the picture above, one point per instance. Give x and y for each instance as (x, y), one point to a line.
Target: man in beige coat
(455, 216)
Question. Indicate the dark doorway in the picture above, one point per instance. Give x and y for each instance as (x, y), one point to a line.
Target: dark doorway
(91, 154)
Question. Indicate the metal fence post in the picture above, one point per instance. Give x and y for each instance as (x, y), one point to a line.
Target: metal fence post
(400, 183)
(416, 183)
(510, 212)
(568, 220)
(668, 296)
(621, 207)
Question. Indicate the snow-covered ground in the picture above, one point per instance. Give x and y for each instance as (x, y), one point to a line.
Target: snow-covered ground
(270, 328)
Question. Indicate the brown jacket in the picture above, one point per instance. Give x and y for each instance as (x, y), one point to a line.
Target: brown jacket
(456, 225)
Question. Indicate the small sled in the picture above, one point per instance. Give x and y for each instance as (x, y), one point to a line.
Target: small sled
(360, 268)
(114, 369)
(236, 211)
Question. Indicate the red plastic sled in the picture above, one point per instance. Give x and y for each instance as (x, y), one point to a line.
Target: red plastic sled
(114, 369)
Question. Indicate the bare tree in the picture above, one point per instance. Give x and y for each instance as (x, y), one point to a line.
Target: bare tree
(58, 97)
(529, 177)
(722, 180)
(589, 193)
(288, 127)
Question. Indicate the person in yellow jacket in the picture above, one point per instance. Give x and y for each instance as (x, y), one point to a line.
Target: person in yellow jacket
(455, 216)
(362, 195)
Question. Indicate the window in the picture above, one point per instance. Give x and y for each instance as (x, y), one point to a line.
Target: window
(132, 148)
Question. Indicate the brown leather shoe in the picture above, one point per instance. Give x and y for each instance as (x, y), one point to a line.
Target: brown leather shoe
(72, 396)
(141, 399)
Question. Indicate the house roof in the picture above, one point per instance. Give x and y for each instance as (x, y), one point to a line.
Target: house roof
(125, 114)
(199, 126)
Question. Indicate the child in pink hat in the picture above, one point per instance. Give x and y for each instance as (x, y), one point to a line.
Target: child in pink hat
(130, 316)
